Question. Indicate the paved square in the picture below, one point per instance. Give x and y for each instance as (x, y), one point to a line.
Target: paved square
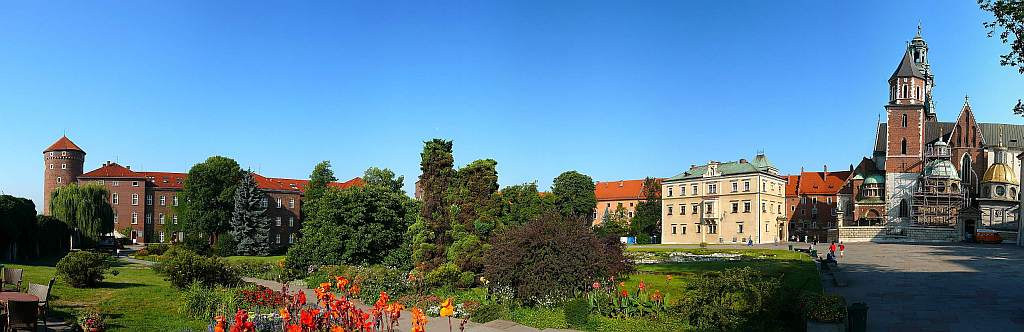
(935, 287)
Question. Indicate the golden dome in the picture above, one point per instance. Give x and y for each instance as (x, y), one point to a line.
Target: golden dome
(1000, 173)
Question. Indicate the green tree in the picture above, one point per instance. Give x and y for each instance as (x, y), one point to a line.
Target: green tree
(85, 209)
(473, 190)
(646, 223)
(574, 196)
(614, 224)
(516, 205)
(355, 225)
(250, 227)
(432, 235)
(1008, 22)
(207, 198)
(384, 177)
(17, 218)
(319, 180)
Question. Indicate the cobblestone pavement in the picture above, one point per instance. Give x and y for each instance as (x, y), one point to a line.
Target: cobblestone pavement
(935, 287)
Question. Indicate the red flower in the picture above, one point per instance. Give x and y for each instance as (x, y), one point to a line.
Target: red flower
(306, 319)
(294, 328)
(596, 285)
(300, 298)
(624, 293)
(641, 286)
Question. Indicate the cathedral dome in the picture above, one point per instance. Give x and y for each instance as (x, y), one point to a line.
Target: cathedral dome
(999, 173)
(941, 168)
(874, 179)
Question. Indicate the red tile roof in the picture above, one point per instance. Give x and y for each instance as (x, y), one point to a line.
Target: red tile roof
(791, 184)
(112, 170)
(620, 190)
(821, 183)
(63, 144)
(177, 180)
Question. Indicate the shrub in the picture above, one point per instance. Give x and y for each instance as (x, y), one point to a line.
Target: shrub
(549, 259)
(488, 312)
(371, 280)
(259, 269)
(198, 301)
(184, 267)
(225, 245)
(737, 299)
(83, 269)
(577, 312)
(824, 308)
(617, 302)
(445, 275)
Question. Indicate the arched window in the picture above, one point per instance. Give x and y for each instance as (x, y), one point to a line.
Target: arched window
(959, 135)
(904, 91)
(966, 174)
(903, 146)
(904, 209)
(904, 120)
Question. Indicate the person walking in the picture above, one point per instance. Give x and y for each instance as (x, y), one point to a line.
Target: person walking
(832, 248)
(842, 249)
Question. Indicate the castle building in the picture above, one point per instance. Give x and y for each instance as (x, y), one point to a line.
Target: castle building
(620, 197)
(924, 180)
(145, 202)
(811, 201)
(730, 202)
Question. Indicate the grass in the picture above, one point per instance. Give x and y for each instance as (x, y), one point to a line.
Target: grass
(258, 259)
(137, 299)
(798, 270)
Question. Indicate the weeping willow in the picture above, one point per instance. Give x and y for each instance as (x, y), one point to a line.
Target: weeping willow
(84, 208)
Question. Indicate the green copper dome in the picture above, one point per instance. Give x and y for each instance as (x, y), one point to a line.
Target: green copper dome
(941, 168)
(874, 179)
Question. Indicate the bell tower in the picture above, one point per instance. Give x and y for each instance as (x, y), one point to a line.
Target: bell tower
(63, 163)
(908, 114)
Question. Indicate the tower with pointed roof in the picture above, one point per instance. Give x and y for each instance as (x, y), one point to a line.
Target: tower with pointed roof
(63, 163)
(908, 114)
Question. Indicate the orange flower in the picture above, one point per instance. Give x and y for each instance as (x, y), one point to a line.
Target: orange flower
(447, 308)
(294, 328)
(418, 320)
(624, 293)
(354, 290)
(325, 285)
(657, 295)
(342, 282)
(219, 327)
(285, 315)
(306, 318)
(669, 277)
(337, 329)
(641, 286)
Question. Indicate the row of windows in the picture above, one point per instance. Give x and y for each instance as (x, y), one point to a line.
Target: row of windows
(711, 228)
(264, 203)
(62, 153)
(709, 207)
(712, 188)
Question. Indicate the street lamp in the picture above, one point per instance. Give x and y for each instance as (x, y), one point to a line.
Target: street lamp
(1019, 109)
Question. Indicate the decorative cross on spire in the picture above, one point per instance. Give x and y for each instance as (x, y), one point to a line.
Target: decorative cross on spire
(919, 28)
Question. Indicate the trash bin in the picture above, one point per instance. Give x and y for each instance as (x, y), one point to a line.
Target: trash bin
(791, 247)
(858, 317)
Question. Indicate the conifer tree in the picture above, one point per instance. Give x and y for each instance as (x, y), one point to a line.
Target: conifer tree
(250, 227)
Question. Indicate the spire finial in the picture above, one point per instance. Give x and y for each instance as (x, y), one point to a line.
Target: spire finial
(919, 28)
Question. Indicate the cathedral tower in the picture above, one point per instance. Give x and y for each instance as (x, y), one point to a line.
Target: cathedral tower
(908, 114)
(63, 163)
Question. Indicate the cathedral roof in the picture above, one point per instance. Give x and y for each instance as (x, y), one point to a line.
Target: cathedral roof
(941, 168)
(1013, 134)
(907, 68)
(999, 173)
(63, 144)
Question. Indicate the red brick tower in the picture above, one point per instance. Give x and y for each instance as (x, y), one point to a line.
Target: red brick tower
(63, 162)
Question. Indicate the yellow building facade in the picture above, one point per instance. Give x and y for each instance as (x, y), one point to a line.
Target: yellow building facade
(725, 203)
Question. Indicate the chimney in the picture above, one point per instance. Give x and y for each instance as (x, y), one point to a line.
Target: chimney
(129, 167)
(620, 183)
(801, 169)
(851, 168)
(743, 161)
(826, 170)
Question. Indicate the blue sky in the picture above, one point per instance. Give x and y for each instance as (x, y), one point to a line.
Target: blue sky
(616, 90)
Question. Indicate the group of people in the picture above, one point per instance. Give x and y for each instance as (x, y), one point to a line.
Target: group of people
(831, 256)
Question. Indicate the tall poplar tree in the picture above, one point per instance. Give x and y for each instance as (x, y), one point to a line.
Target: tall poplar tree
(430, 233)
(250, 227)
(646, 223)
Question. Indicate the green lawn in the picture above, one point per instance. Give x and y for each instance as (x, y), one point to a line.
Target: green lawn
(259, 259)
(137, 299)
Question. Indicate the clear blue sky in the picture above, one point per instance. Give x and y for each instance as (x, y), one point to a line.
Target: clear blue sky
(616, 90)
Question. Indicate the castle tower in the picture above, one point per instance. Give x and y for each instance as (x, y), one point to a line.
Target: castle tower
(907, 115)
(63, 163)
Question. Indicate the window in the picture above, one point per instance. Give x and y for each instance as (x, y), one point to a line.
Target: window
(670, 210)
(263, 202)
(278, 238)
(793, 208)
(684, 229)
(764, 207)
(135, 218)
(746, 207)
(673, 228)
(51, 166)
(746, 185)
(174, 219)
(698, 228)
(162, 220)
(277, 221)
(149, 218)
(149, 200)
(135, 183)
(163, 200)
(291, 203)
(694, 187)
(135, 199)
(735, 207)
(63, 166)
(709, 208)
(735, 186)
(904, 120)
(669, 191)
(51, 153)
(278, 203)
(291, 238)
(682, 209)
(713, 229)
(113, 198)
(59, 180)
(175, 200)
(115, 183)
(291, 221)
(903, 146)
(904, 209)
(63, 153)
(741, 229)
(631, 214)
(115, 218)
(161, 236)
(694, 206)
(712, 188)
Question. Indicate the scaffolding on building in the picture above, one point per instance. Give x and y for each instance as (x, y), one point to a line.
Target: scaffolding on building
(939, 195)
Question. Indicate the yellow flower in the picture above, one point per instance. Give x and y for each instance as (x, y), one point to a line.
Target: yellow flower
(447, 309)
